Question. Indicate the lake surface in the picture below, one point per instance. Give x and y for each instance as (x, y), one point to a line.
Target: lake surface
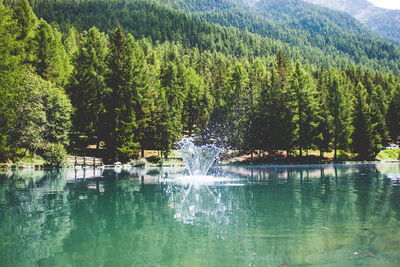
(325, 215)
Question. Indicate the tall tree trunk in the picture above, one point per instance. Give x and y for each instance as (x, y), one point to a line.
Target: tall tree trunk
(335, 149)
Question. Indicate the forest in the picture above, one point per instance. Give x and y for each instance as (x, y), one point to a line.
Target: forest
(127, 89)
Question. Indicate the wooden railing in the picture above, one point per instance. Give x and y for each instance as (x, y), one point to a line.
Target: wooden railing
(85, 161)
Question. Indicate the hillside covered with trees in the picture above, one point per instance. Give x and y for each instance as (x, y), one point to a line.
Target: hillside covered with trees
(385, 22)
(135, 75)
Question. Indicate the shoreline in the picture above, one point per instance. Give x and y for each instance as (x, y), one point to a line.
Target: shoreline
(4, 167)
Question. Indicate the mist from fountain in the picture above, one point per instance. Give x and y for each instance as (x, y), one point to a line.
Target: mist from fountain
(198, 159)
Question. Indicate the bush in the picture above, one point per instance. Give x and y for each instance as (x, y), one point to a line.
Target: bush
(142, 162)
(389, 154)
(343, 156)
(56, 155)
(30, 160)
(153, 159)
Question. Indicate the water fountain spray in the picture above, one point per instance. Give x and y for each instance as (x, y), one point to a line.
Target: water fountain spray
(198, 159)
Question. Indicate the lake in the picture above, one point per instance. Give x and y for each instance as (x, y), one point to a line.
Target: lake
(322, 215)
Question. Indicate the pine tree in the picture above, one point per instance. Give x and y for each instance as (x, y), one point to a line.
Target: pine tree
(257, 77)
(149, 138)
(340, 107)
(120, 119)
(172, 97)
(379, 107)
(324, 130)
(304, 94)
(141, 98)
(10, 46)
(238, 105)
(49, 57)
(393, 116)
(87, 87)
(364, 141)
(26, 20)
(192, 107)
(11, 74)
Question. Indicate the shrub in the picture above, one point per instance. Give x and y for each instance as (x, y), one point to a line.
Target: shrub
(389, 154)
(343, 156)
(30, 160)
(56, 155)
(142, 162)
(153, 159)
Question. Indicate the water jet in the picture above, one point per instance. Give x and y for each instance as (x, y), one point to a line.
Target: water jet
(198, 159)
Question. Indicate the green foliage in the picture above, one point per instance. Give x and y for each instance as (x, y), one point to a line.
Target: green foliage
(393, 116)
(87, 87)
(24, 160)
(379, 107)
(142, 162)
(228, 86)
(194, 111)
(6, 150)
(303, 93)
(10, 46)
(237, 97)
(125, 81)
(312, 34)
(386, 154)
(43, 115)
(343, 156)
(340, 108)
(26, 20)
(365, 142)
(48, 54)
(55, 155)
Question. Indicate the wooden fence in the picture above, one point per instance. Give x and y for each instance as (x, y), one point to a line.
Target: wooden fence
(85, 161)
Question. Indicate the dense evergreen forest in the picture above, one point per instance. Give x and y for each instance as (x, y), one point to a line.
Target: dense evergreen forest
(134, 75)
(311, 34)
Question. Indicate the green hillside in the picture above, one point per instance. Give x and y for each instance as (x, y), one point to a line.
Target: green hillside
(312, 34)
(384, 22)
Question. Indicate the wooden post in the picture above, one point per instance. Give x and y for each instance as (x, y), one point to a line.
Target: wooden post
(84, 160)
(76, 161)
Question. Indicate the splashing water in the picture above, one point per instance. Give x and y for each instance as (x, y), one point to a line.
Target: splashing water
(198, 159)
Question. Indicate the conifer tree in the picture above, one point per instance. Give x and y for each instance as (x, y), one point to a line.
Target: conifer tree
(193, 108)
(149, 138)
(87, 87)
(11, 74)
(49, 57)
(364, 140)
(26, 19)
(120, 119)
(172, 96)
(71, 41)
(340, 107)
(141, 98)
(393, 116)
(257, 73)
(379, 107)
(323, 141)
(304, 94)
(237, 105)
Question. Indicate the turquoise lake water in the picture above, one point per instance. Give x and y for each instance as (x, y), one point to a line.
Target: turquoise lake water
(325, 215)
